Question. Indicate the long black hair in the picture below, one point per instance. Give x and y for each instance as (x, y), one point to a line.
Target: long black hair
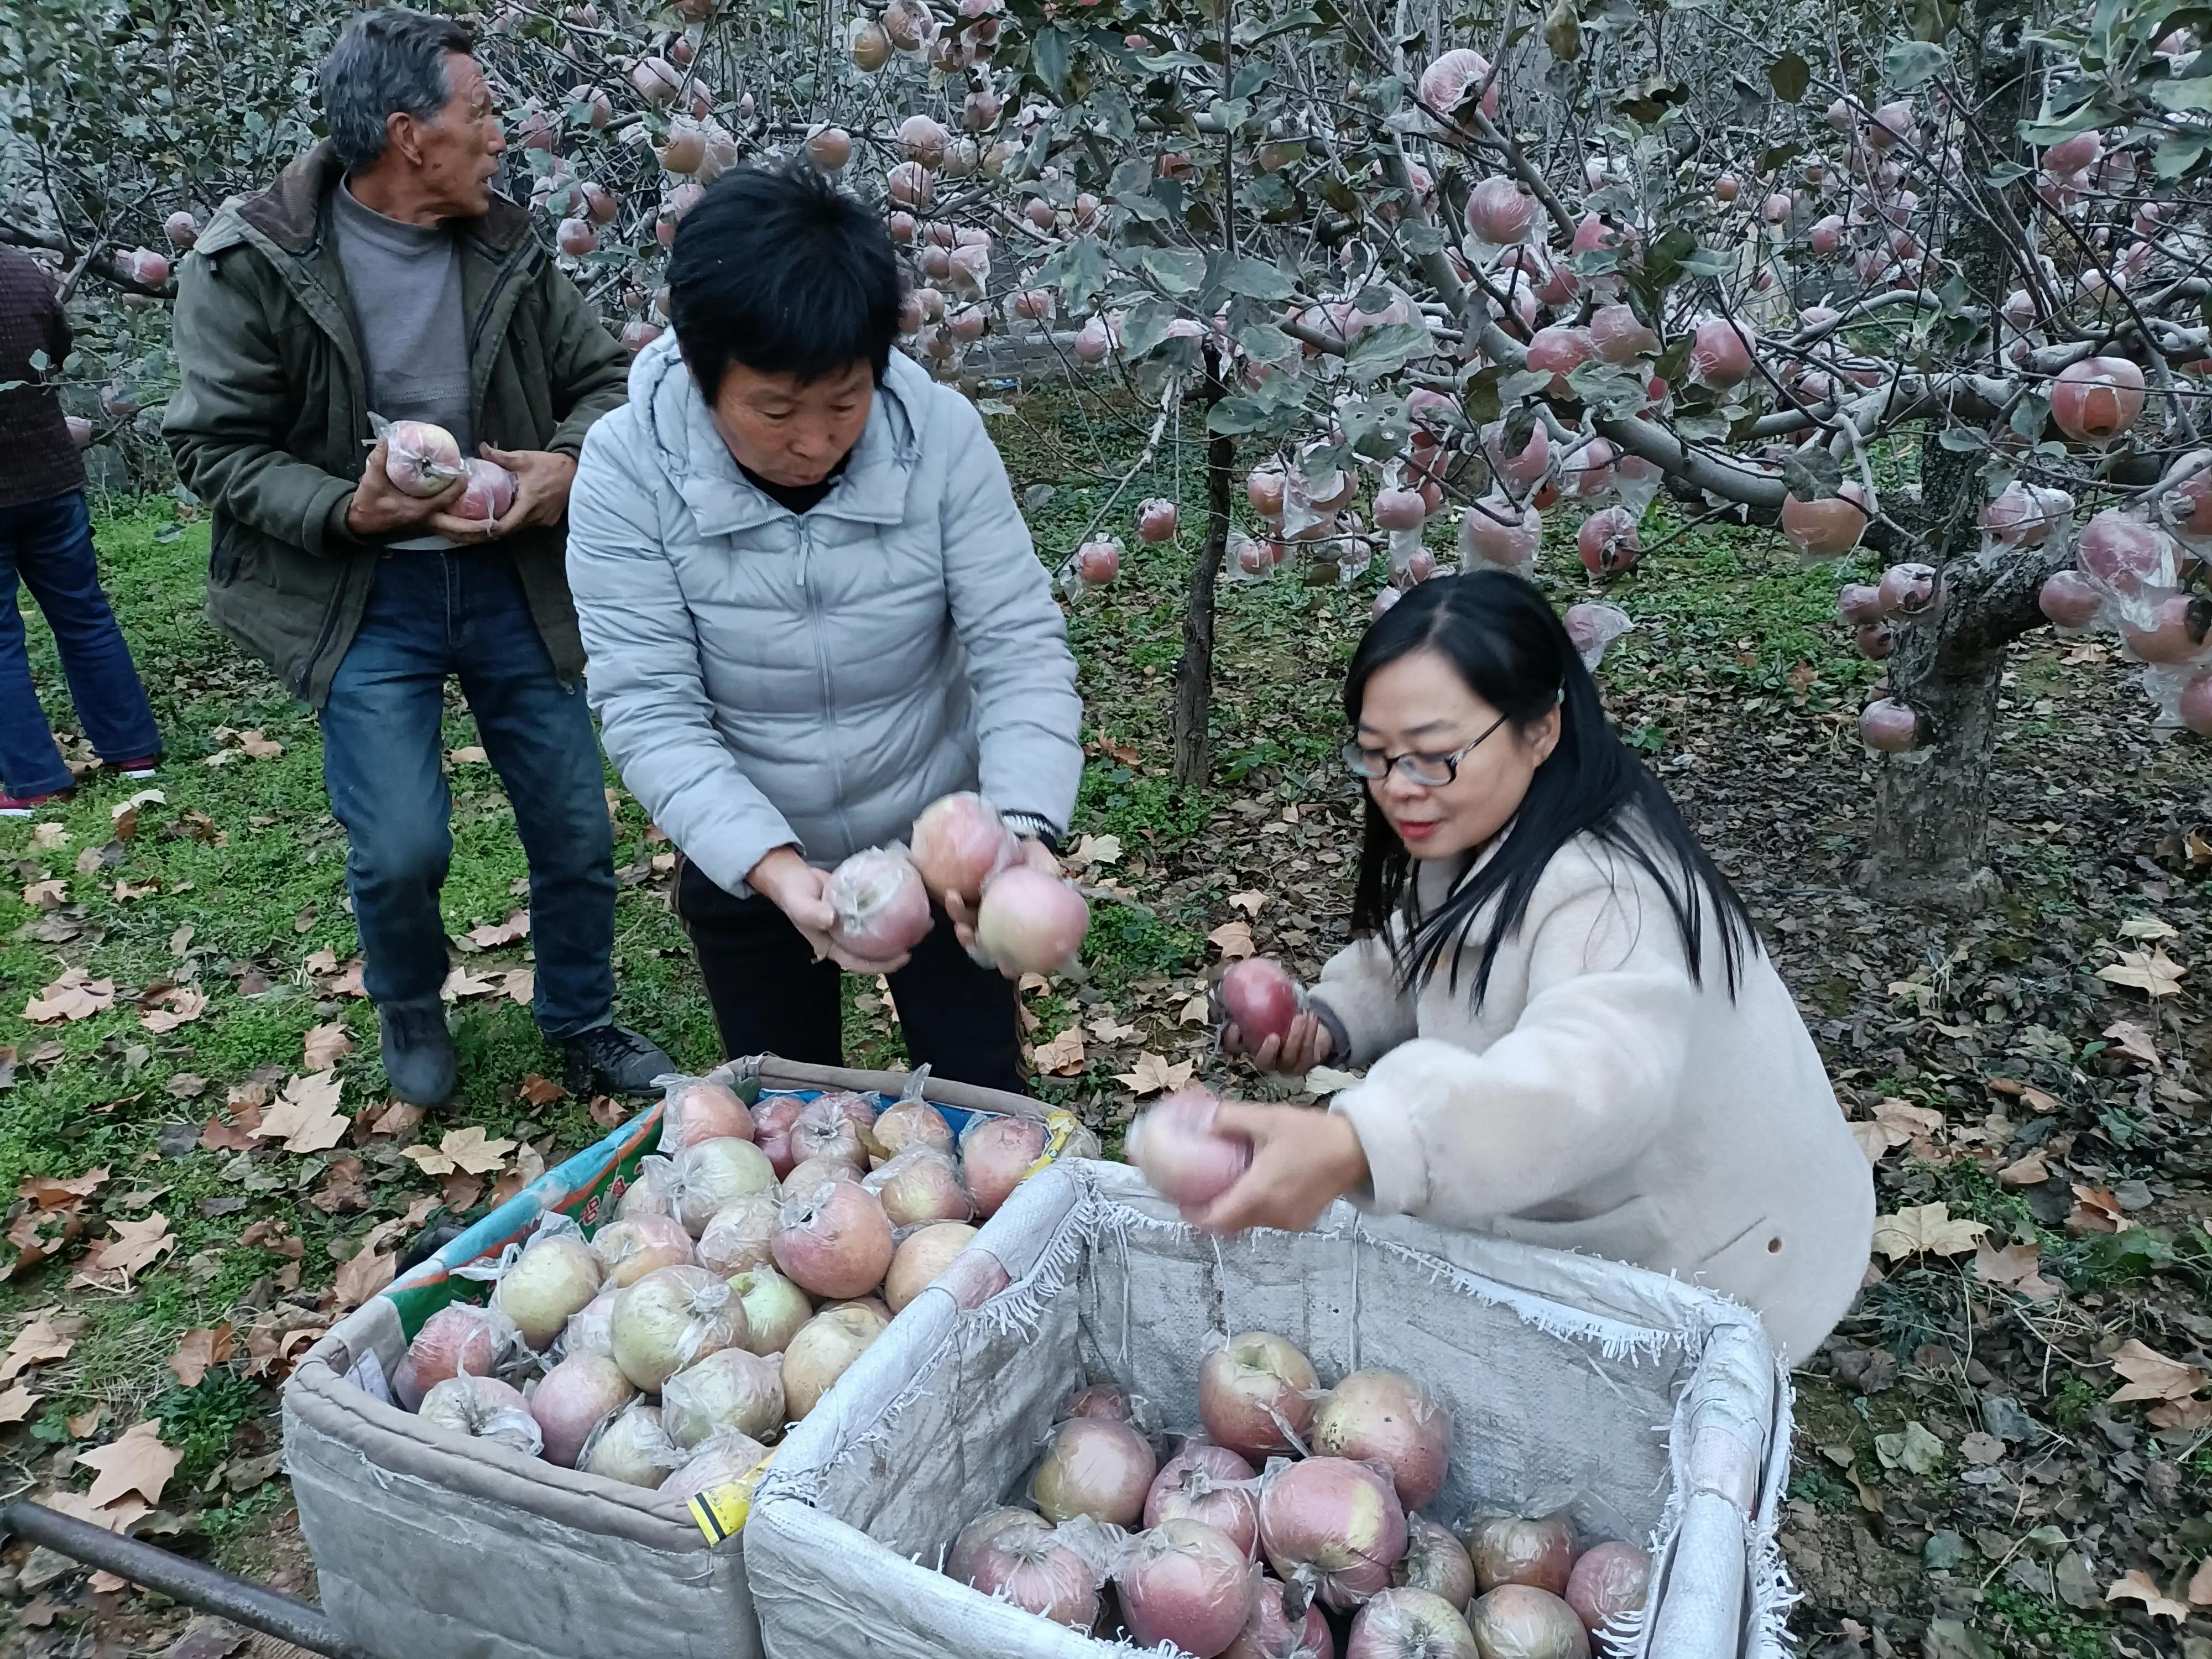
(1503, 640)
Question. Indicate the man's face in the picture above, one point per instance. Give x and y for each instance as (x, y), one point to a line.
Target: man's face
(456, 152)
(791, 432)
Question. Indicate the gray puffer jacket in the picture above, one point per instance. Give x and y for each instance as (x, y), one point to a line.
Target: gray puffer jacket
(764, 678)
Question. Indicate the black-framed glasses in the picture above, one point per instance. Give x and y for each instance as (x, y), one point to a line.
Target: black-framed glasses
(1430, 771)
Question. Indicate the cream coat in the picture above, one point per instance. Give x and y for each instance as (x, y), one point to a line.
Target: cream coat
(1599, 1101)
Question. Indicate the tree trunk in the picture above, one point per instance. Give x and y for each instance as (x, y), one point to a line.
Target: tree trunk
(1930, 839)
(1194, 669)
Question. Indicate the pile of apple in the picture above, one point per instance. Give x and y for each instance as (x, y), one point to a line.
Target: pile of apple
(963, 856)
(1293, 1524)
(747, 1267)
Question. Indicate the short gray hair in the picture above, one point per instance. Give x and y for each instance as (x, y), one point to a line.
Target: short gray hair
(389, 62)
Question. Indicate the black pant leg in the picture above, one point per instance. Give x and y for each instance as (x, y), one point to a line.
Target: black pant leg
(959, 1019)
(770, 995)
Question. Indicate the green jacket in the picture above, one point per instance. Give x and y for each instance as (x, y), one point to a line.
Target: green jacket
(270, 421)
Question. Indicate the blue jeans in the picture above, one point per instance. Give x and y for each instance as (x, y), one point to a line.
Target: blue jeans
(48, 544)
(432, 614)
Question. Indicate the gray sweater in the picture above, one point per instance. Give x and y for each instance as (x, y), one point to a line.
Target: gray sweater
(405, 283)
(765, 679)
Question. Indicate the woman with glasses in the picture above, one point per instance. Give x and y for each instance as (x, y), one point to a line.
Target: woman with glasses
(1571, 1033)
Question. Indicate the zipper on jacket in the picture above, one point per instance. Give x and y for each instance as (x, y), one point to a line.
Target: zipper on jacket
(814, 628)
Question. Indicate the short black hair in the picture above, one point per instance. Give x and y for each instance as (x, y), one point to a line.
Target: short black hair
(389, 62)
(778, 270)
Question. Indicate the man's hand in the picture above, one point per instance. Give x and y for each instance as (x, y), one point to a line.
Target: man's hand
(1302, 1160)
(795, 887)
(1037, 856)
(1297, 1051)
(542, 479)
(378, 506)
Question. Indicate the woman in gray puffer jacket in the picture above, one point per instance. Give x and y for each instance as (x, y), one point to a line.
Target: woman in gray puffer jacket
(812, 608)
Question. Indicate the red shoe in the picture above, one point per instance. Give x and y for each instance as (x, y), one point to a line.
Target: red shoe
(21, 806)
(137, 769)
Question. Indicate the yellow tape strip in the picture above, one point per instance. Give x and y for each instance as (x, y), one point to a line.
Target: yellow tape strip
(721, 1511)
(1058, 1125)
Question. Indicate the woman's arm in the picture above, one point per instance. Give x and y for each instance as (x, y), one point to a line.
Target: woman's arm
(1586, 1077)
(1360, 1004)
(655, 719)
(1028, 717)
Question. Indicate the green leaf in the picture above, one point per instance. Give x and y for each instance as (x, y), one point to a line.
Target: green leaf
(1812, 475)
(1385, 350)
(1789, 75)
(1176, 270)
(1168, 61)
(1522, 383)
(1146, 326)
(2175, 156)
(1910, 64)
(1563, 31)
(1963, 440)
(1049, 55)
(1710, 262)
(1255, 279)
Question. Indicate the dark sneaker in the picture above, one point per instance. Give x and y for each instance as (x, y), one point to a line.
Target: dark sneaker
(610, 1060)
(418, 1052)
(21, 806)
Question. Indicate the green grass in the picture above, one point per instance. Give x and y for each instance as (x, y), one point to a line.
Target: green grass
(2055, 1629)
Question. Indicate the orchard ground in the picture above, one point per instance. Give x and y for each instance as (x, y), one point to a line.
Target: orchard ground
(1965, 1484)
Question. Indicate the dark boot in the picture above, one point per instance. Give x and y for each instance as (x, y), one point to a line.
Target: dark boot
(418, 1052)
(608, 1059)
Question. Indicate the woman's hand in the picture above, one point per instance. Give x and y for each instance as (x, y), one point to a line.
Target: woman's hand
(796, 888)
(1297, 1051)
(1037, 856)
(1302, 1160)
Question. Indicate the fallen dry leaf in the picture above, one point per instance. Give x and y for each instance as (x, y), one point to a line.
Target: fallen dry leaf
(1929, 1229)
(371, 1266)
(326, 1045)
(136, 1245)
(1154, 1075)
(47, 1194)
(306, 1117)
(259, 747)
(1232, 940)
(469, 754)
(16, 1403)
(2029, 1170)
(2096, 1209)
(2153, 972)
(38, 1343)
(2147, 928)
(2199, 1584)
(2151, 1375)
(2136, 1585)
(2134, 1042)
(396, 1119)
(1107, 1029)
(1199, 1010)
(136, 1461)
(2016, 1267)
(540, 1091)
(178, 1006)
(1097, 849)
(520, 985)
(76, 995)
(1062, 1056)
(1249, 903)
(48, 895)
(234, 1133)
(467, 1151)
(490, 935)
(197, 1351)
(462, 983)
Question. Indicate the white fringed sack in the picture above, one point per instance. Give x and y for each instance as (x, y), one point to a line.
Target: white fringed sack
(1651, 1410)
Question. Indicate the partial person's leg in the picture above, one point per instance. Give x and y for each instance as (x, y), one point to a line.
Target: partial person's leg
(959, 1019)
(538, 735)
(59, 566)
(770, 994)
(30, 763)
(381, 749)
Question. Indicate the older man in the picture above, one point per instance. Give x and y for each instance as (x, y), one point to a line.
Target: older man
(382, 273)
